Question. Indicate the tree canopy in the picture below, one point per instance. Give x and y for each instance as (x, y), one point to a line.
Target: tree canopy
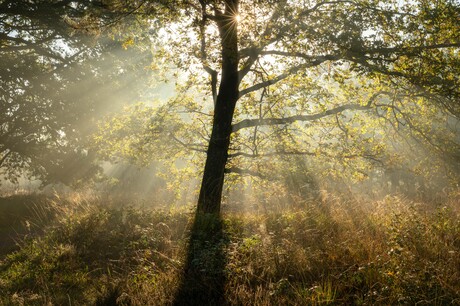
(281, 67)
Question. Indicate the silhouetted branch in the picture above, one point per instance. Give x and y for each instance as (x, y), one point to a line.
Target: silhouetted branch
(244, 172)
(5, 157)
(277, 121)
(194, 147)
(203, 52)
(277, 153)
(412, 50)
(314, 61)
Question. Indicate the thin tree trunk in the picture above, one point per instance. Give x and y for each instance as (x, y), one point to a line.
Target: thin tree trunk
(213, 177)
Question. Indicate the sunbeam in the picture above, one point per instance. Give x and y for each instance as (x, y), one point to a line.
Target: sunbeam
(229, 152)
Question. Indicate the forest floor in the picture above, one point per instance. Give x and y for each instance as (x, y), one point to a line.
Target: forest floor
(83, 251)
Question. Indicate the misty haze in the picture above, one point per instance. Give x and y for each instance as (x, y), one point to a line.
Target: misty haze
(229, 152)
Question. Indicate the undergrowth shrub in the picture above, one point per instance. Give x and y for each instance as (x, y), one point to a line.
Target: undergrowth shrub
(341, 251)
(332, 250)
(94, 254)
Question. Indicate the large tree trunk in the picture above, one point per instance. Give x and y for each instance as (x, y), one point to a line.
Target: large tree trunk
(213, 178)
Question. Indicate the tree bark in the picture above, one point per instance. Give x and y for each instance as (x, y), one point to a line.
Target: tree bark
(212, 183)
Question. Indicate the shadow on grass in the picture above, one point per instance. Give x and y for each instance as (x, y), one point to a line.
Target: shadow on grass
(21, 216)
(204, 278)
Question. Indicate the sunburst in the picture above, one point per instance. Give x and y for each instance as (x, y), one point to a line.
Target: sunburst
(238, 18)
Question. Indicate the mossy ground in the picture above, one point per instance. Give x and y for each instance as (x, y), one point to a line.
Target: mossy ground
(324, 251)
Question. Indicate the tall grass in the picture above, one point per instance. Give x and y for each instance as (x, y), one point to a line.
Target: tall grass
(330, 250)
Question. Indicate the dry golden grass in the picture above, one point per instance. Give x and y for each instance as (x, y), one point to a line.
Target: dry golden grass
(331, 250)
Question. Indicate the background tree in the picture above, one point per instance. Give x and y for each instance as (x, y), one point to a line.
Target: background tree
(55, 83)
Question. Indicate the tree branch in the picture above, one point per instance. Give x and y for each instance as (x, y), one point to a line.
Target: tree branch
(248, 65)
(277, 153)
(244, 172)
(204, 55)
(314, 61)
(253, 52)
(123, 16)
(412, 50)
(319, 4)
(246, 123)
(277, 121)
(193, 147)
(2, 160)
